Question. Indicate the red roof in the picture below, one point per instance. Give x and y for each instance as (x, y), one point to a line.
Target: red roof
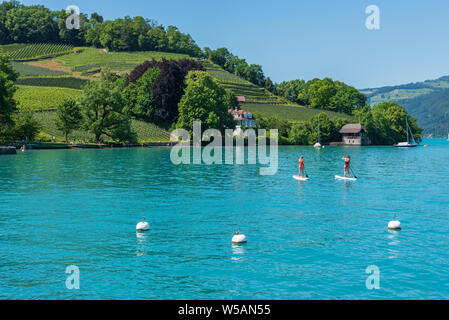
(241, 114)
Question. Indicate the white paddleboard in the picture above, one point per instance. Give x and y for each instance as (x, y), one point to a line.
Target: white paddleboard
(345, 178)
(300, 178)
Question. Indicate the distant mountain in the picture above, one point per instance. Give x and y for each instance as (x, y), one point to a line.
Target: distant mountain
(428, 101)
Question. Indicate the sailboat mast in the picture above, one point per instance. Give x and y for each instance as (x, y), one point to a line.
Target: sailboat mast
(406, 128)
(319, 133)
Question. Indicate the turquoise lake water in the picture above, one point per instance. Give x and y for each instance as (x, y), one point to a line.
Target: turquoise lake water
(306, 240)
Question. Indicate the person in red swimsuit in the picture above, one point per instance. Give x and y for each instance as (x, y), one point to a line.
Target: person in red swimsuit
(347, 161)
(301, 166)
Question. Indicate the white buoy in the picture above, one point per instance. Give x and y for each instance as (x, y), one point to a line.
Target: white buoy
(394, 225)
(238, 238)
(143, 225)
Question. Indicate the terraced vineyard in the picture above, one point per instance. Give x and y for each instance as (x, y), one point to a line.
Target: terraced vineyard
(90, 69)
(61, 82)
(289, 112)
(146, 132)
(45, 83)
(22, 52)
(26, 70)
(43, 98)
(241, 87)
(98, 58)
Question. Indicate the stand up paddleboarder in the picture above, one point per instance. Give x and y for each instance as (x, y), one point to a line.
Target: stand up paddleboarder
(347, 161)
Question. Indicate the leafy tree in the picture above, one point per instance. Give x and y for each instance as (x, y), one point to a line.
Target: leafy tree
(219, 56)
(347, 98)
(5, 34)
(102, 106)
(299, 134)
(385, 123)
(68, 117)
(75, 37)
(26, 125)
(321, 92)
(269, 85)
(324, 94)
(253, 73)
(7, 104)
(269, 123)
(206, 101)
(233, 64)
(31, 24)
(139, 97)
(294, 91)
(231, 100)
(169, 86)
(327, 129)
(304, 132)
(95, 17)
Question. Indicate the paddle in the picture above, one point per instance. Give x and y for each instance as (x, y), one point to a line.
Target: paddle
(353, 172)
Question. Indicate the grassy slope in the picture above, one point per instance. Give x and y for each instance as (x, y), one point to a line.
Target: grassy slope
(260, 101)
(35, 51)
(27, 70)
(52, 76)
(92, 56)
(290, 112)
(43, 98)
(146, 132)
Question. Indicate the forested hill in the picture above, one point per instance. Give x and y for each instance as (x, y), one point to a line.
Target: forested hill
(36, 24)
(428, 101)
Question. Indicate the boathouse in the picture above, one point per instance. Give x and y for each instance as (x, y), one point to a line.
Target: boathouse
(354, 134)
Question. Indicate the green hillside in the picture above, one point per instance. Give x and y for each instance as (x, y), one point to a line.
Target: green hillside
(146, 132)
(22, 52)
(45, 82)
(289, 112)
(262, 102)
(241, 87)
(43, 98)
(427, 101)
(92, 60)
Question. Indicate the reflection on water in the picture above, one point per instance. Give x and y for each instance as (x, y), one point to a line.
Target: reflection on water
(238, 250)
(142, 243)
(394, 241)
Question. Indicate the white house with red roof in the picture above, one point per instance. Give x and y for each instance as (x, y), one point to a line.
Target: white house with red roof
(243, 118)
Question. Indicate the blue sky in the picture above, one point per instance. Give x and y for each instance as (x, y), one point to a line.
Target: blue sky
(296, 39)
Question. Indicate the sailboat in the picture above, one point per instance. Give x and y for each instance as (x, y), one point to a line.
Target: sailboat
(408, 144)
(318, 144)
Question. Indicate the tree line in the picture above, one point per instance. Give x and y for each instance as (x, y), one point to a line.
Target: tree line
(384, 123)
(325, 94)
(175, 94)
(235, 65)
(304, 132)
(37, 24)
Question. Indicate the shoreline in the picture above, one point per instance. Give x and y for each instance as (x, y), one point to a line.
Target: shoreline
(7, 149)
